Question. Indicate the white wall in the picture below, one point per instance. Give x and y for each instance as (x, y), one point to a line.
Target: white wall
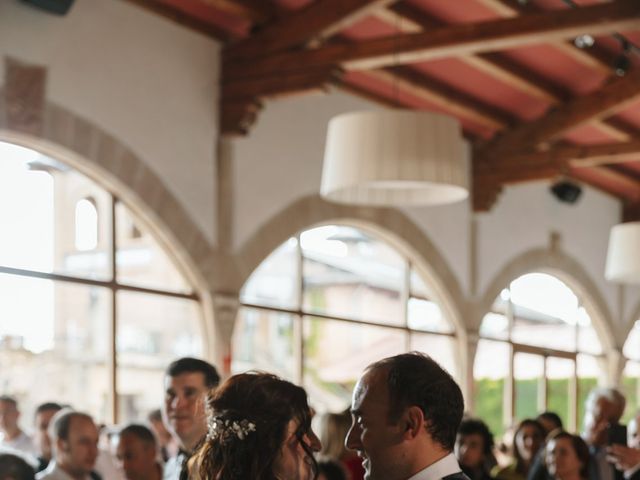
(280, 161)
(149, 82)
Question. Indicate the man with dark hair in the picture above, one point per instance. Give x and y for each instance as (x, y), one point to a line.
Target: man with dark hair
(74, 437)
(137, 452)
(550, 421)
(405, 414)
(187, 382)
(11, 435)
(42, 419)
(13, 467)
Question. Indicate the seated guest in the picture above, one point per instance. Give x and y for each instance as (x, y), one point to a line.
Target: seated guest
(12, 467)
(550, 422)
(42, 419)
(333, 431)
(11, 435)
(258, 428)
(527, 440)
(137, 452)
(567, 457)
(74, 437)
(474, 449)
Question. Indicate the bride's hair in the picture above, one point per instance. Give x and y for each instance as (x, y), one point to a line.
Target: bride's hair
(248, 417)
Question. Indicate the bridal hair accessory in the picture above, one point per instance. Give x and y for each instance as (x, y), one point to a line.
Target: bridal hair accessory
(220, 429)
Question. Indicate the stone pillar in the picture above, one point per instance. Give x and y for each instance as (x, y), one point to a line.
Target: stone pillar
(467, 374)
(225, 309)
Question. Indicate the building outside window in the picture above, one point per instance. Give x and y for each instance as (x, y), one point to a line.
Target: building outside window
(71, 273)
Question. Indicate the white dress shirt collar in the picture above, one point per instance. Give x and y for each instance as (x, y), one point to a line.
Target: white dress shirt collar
(440, 469)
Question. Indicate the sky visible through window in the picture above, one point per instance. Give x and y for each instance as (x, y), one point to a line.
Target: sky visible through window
(26, 241)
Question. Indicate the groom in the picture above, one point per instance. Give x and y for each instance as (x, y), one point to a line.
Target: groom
(405, 414)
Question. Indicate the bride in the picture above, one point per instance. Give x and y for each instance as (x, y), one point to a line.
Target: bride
(259, 429)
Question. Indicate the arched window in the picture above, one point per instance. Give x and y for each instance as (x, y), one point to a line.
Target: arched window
(537, 351)
(62, 293)
(328, 302)
(86, 224)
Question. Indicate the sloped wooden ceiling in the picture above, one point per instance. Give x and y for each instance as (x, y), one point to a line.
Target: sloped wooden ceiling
(533, 104)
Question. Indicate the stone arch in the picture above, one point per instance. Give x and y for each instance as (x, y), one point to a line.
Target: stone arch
(567, 269)
(114, 166)
(389, 224)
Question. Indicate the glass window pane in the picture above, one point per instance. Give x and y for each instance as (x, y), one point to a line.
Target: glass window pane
(560, 374)
(588, 374)
(153, 330)
(350, 274)
(495, 325)
(588, 340)
(276, 281)
(630, 385)
(418, 286)
(528, 375)
(264, 340)
(57, 339)
(632, 345)
(490, 369)
(337, 352)
(439, 347)
(426, 315)
(535, 328)
(140, 260)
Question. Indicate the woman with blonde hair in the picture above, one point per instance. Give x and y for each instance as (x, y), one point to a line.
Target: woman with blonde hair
(333, 431)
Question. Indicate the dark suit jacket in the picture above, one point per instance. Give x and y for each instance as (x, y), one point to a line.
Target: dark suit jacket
(456, 476)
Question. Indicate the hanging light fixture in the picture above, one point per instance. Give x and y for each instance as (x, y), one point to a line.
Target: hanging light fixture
(623, 254)
(395, 157)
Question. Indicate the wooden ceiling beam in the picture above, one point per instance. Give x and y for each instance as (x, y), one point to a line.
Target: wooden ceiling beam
(320, 18)
(598, 105)
(592, 58)
(251, 10)
(450, 41)
(562, 157)
(458, 103)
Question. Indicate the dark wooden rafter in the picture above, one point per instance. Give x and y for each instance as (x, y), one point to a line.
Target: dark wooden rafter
(255, 11)
(182, 18)
(237, 117)
(600, 104)
(320, 18)
(448, 41)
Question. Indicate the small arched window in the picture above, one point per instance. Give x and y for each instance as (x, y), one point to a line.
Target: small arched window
(86, 225)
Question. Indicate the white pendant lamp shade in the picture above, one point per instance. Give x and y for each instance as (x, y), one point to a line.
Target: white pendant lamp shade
(395, 157)
(623, 254)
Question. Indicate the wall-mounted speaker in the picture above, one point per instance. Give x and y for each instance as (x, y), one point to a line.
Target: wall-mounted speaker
(58, 7)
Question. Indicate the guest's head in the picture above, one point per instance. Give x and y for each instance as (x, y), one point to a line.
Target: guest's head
(74, 436)
(474, 444)
(41, 419)
(549, 421)
(566, 456)
(527, 440)
(13, 467)
(136, 452)
(259, 427)
(603, 407)
(186, 382)
(9, 415)
(405, 414)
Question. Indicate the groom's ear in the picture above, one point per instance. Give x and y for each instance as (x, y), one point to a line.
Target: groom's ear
(414, 422)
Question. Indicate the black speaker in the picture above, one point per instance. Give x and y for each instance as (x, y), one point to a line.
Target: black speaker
(566, 191)
(59, 7)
